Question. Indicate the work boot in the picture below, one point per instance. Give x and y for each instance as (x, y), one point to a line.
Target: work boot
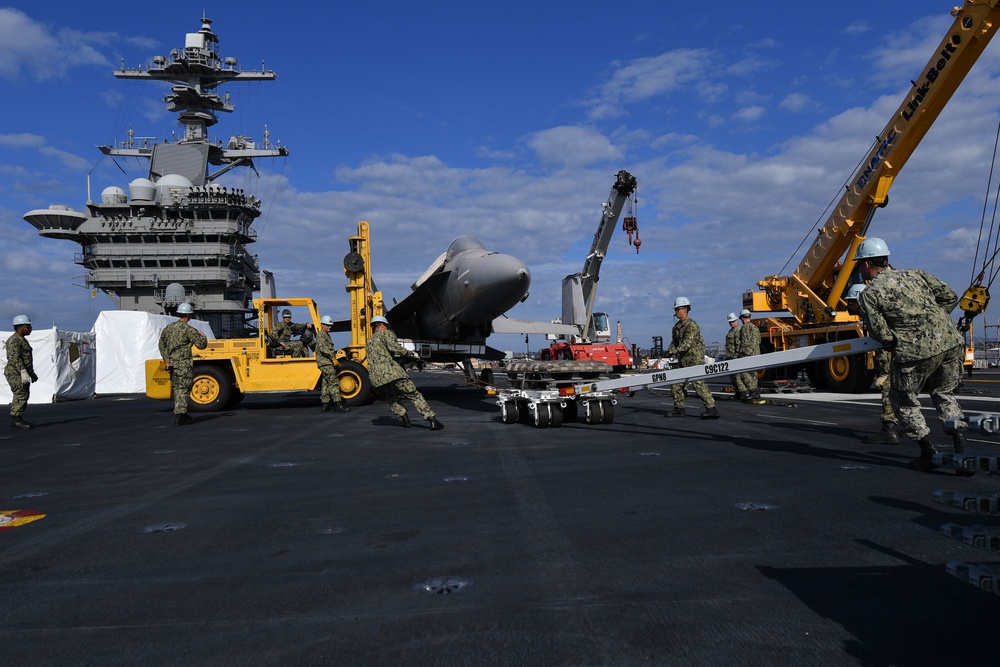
(887, 436)
(958, 437)
(17, 422)
(326, 408)
(756, 399)
(739, 396)
(925, 462)
(335, 407)
(183, 420)
(711, 413)
(405, 420)
(435, 424)
(676, 412)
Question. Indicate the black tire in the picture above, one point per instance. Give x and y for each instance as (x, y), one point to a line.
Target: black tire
(849, 375)
(556, 415)
(486, 376)
(508, 412)
(355, 385)
(542, 415)
(235, 398)
(609, 412)
(211, 390)
(570, 412)
(523, 412)
(594, 412)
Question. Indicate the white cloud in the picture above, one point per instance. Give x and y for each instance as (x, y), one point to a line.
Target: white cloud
(37, 142)
(749, 114)
(648, 77)
(796, 102)
(26, 44)
(573, 146)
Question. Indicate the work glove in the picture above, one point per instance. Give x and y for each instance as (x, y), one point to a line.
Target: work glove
(880, 381)
(25, 378)
(34, 378)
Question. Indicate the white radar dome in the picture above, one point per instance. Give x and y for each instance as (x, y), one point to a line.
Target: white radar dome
(142, 189)
(113, 195)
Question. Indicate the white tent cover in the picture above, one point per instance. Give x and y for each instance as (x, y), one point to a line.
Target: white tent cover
(125, 340)
(64, 361)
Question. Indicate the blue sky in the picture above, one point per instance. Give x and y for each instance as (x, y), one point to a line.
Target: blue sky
(508, 121)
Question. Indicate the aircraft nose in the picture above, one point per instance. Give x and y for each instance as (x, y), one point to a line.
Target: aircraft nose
(495, 284)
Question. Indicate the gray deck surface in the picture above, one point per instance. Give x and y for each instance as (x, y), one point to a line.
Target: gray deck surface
(276, 534)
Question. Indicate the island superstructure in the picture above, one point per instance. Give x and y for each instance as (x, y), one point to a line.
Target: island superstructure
(176, 235)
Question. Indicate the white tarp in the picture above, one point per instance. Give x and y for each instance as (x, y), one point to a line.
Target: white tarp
(64, 361)
(126, 339)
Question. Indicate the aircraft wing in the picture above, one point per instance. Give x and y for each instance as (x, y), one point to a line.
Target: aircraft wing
(511, 325)
(403, 316)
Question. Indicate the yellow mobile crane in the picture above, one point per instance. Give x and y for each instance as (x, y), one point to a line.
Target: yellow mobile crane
(806, 308)
(229, 369)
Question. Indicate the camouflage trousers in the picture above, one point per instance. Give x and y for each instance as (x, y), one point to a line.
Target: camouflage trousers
(181, 380)
(295, 348)
(329, 385)
(402, 388)
(19, 400)
(888, 414)
(700, 388)
(939, 376)
(883, 367)
(746, 383)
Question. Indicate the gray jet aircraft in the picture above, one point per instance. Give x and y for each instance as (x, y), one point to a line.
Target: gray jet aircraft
(450, 312)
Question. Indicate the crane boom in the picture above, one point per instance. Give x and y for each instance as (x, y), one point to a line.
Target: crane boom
(580, 289)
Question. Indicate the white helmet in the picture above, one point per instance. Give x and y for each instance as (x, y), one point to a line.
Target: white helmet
(286, 313)
(185, 309)
(21, 320)
(871, 248)
(379, 319)
(681, 301)
(855, 291)
(745, 313)
(732, 317)
(326, 319)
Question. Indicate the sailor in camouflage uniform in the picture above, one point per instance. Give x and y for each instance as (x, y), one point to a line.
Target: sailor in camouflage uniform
(908, 312)
(686, 342)
(389, 378)
(731, 337)
(20, 371)
(883, 366)
(283, 331)
(176, 340)
(326, 360)
(748, 345)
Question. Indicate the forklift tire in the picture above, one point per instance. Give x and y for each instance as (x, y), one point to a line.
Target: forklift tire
(235, 398)
(211, 390)
(355, 385)
(508, 412)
